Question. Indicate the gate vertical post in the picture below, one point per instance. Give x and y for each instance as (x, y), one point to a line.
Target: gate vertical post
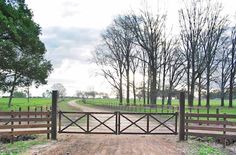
(59, 121)
(54, 115)
(181, 116)
(147, 123)
(176, 122)
(88, 122)
(117, 113)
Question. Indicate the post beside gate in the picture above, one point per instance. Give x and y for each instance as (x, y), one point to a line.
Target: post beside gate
(181, 116)
(54, 115)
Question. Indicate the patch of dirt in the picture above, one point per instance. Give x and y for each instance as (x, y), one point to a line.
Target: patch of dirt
(110, 145)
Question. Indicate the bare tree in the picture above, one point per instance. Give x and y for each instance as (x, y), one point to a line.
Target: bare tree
(192, 20)
(125, 40)
(147, 29)
(233, 64)
(60, 88)
(176, 69)
(165, 54)
(109, 58)
(215, 27)
(223, 68)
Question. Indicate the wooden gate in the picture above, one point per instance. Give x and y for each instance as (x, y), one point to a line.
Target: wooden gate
(117, 123)
(147, 123)
(88, 122)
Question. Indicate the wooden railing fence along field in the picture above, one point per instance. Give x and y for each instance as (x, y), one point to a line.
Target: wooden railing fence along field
(219, 126)
(162, 108)
(37, 120)
(15, 123)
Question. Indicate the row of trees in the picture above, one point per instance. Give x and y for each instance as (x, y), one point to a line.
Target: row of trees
(21, 51)
(200, 58)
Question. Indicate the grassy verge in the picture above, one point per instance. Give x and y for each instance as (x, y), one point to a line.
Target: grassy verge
(21, 146)
(205, 148)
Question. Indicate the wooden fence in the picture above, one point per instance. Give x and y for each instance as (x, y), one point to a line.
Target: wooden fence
(36, 120)
(222, 127)
(25, 123)
(219, 126)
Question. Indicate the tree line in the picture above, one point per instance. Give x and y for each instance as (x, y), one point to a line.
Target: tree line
(200, 59)
(22, 61)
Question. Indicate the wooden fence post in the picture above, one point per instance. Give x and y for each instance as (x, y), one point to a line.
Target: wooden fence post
(54, 115)
(181, 116)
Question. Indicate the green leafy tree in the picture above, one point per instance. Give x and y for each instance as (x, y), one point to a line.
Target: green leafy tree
(21, 49)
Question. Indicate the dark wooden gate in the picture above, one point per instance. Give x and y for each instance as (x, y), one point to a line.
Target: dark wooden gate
(88, 122)
(117, 123)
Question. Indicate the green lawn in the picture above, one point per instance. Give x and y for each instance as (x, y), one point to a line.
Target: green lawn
(23, 103)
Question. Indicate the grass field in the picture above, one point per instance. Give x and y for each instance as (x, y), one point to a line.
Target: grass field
(23, 103)
(175, 102)
(214, 104)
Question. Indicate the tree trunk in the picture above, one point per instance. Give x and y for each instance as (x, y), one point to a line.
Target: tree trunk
(127, 87)
(163, 84)
(12, 91)
(199, 92)
(208, 87)
(28, 94)
(120, 91)
(134, 88)
(222, 96)
(148, 86)
(144, 93)
(169, 100)
(231, 84)
(222, 86)
(191, 95)
(188, 79)
(153, 85)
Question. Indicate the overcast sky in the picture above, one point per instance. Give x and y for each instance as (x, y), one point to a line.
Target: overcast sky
(71, 30)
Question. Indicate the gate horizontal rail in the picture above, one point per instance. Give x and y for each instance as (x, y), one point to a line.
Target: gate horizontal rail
(118, 122)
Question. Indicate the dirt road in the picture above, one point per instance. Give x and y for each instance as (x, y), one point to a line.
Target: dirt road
(79, 144)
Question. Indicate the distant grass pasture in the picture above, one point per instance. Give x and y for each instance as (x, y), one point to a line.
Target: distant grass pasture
(23, 103)
(175, 102)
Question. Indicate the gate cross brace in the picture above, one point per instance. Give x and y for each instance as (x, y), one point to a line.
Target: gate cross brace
(73, 122)
(133, 123)
(102, 123)
(162, 123)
